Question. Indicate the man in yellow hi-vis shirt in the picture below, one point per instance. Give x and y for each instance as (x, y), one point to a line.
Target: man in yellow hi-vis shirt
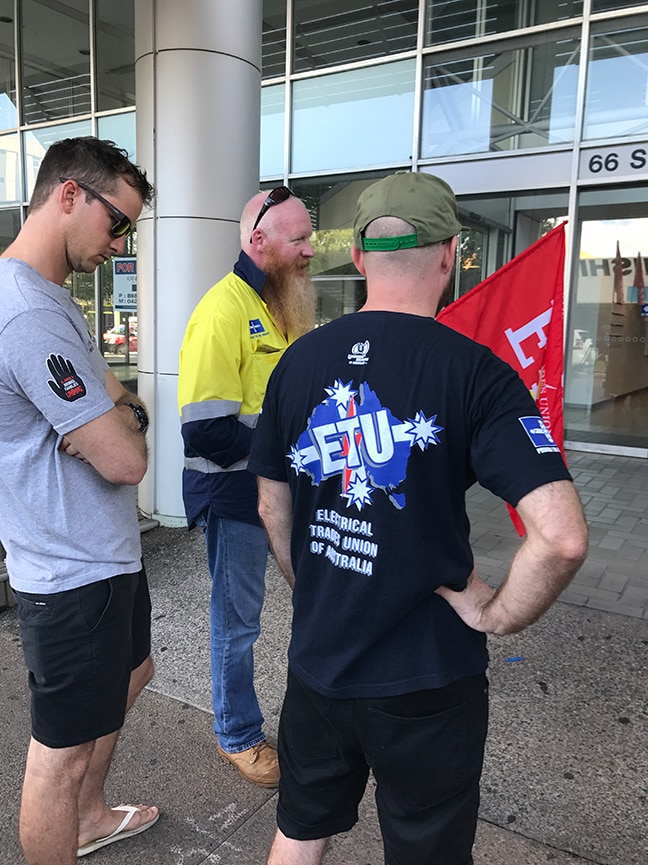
(233, 341)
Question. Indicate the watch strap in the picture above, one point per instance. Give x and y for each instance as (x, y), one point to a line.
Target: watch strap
(140, 414)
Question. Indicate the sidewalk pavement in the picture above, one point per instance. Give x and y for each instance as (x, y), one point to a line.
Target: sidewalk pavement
(566, 771)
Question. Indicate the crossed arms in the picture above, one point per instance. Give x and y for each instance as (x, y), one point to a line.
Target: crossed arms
(111, 443)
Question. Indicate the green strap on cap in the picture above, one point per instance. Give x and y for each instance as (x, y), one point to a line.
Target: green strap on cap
(388, 244)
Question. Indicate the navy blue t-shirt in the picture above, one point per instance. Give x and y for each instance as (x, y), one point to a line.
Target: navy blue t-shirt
(379, 422)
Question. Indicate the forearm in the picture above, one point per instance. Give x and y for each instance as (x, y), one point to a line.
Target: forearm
(275, 510)
(552, 551)
(534, 580)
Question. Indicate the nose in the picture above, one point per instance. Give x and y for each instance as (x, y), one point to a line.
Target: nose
(307, 251)
(117, 245)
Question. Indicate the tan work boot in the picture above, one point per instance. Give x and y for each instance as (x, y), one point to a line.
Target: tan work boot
(257, 764)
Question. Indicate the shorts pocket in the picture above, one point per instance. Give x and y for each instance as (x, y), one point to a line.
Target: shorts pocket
(94, 600)
(307, 730)
(420, 761)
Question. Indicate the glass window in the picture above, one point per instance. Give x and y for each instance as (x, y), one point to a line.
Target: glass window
(8, 113)
(510, 99)
(336, 297)
(453, 20)
(55, 60)
(119, 128)
(334, 32)
(9, 227)
(10, 186)
(606, 385)
(499, 227)
(354, 119)
(115, 54)
(616, 101)
(36, 142)
(273, 39)
(331, 203)
(609, 5)
(272, 130)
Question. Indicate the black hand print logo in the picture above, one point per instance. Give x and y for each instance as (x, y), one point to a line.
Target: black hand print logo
(67, 384)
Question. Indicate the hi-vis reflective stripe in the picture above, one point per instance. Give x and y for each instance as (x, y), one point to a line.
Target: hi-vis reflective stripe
(206, 467)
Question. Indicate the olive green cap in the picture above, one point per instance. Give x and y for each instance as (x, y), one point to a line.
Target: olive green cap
(423, 200)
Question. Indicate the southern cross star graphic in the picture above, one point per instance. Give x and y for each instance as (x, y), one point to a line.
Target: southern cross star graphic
(351, 434)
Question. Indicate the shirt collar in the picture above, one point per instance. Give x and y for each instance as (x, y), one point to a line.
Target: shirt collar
(246, 269)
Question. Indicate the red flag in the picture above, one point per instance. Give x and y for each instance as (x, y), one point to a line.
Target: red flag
(618, 277)
(639, 280)
(518, 313)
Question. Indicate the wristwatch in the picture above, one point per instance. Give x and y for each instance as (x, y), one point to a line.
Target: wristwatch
(140, 414)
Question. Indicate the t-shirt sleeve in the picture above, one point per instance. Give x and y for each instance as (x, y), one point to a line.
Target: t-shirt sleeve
(45, 358)
(512, 451)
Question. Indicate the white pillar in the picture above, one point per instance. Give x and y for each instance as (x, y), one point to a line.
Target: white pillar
(198, 117)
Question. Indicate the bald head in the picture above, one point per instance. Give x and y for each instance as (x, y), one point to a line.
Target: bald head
(282, 234)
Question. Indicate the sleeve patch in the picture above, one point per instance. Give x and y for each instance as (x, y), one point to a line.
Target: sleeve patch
(539, 434)
(66, 383)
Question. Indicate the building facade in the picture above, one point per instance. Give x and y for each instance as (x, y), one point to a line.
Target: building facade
(535, 111)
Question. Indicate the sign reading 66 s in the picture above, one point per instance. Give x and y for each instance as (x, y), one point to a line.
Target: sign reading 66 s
(626, 160)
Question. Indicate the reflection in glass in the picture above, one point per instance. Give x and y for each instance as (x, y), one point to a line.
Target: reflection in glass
(331, 203)
(609, 5)
(476, 104)
(332, 34)
(8, 113)
(470, 19)
(336, 297)
(55, 60)
(9, 227)
(10, 189)
(360, 118)
(36, 142)
(606, 385)
(617, 83)
(115, 54)
(273, 39)
(272, 130)
(119, 128)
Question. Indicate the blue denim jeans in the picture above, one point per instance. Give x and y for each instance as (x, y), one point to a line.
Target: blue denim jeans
(236, 554)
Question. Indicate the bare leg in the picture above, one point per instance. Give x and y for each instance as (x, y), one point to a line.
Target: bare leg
(287, 851)
(96, 820)
(61, 783)
(48, 812)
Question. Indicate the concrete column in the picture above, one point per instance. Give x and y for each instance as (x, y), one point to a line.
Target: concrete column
(198, 121)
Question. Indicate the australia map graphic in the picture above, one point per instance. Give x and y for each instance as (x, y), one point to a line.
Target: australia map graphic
(351, 434)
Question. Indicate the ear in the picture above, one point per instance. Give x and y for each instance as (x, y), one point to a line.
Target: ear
(357, 257)
(66, 196)
(449, 255)
(257, 240)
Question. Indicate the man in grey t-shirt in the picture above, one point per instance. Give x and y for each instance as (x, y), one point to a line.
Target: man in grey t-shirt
(72, 449)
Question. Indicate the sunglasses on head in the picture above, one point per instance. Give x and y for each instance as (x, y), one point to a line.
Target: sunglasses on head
(122, 225)
(275, 196)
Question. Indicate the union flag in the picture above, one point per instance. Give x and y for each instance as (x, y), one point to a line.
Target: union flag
(518, 313)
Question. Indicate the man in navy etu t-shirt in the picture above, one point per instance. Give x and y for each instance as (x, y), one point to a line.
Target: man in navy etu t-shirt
(372, 429)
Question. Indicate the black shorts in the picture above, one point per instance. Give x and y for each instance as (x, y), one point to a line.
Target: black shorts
(80, 647)
(425, 750)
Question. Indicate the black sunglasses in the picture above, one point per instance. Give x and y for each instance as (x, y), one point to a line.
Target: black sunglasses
(275, 196)
(123, 225)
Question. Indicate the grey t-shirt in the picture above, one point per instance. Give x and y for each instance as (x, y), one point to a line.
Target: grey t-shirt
(61, 523)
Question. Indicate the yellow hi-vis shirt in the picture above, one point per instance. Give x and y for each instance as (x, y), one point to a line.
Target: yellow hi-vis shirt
(230, 347)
